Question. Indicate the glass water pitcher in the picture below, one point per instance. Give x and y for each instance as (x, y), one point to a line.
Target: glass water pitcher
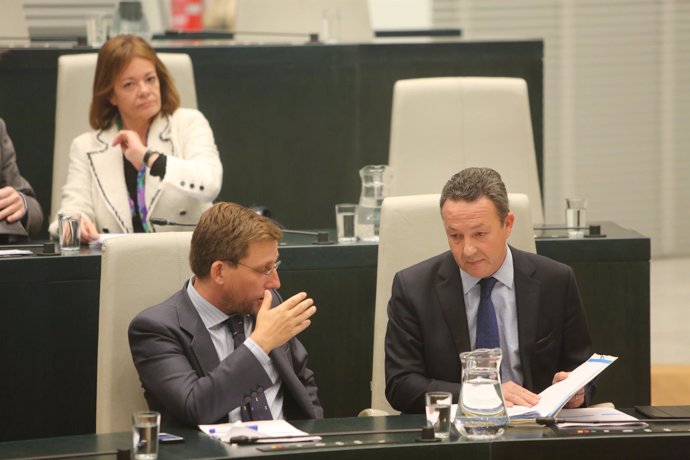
(481, 408)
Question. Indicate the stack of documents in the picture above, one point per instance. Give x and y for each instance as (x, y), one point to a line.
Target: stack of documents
(557, 395)
(263, 431)
(597, 417)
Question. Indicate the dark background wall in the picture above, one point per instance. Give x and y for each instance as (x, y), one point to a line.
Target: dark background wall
(293, 124)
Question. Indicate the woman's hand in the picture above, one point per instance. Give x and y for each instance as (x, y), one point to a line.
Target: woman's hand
(132, 147)
(88, 231)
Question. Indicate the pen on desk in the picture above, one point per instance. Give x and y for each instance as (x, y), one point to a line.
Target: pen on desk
(252, 427)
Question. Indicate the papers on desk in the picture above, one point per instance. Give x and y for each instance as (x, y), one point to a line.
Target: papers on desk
(558, 394)
(102, 237)
(262, 431)
(597, 417)
(15, 252)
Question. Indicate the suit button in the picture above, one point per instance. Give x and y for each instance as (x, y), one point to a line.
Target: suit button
(201, 187)
(191, 185)
(181, 183)
(247, 399)
(260, 389)
(253, 394)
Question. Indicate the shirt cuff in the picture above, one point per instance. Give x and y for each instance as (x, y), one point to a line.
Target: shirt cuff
(26, 205)
(263, 358)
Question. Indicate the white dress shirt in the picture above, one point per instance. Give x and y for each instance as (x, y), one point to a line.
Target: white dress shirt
(503, 298)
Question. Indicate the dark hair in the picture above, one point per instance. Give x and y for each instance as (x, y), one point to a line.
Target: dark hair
(113, 57)
(470, 184)
(224, 232)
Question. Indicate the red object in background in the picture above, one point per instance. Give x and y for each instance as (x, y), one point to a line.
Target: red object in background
(187, 14)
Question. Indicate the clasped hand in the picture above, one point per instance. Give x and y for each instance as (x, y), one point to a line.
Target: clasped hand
(11, 204)
(275, 326)
(132, 147)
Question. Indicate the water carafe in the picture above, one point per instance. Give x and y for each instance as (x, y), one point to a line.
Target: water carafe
(481, 408)
(375, 186)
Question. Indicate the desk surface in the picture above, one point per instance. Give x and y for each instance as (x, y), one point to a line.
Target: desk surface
(523, 442)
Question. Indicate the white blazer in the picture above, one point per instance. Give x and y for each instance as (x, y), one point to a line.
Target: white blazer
(96, 185)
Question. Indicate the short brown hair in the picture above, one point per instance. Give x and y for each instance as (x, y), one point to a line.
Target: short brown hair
(473, 183)
(113, 57)
(224, 232)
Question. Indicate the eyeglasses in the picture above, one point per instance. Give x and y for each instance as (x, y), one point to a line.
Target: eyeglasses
(268, 272)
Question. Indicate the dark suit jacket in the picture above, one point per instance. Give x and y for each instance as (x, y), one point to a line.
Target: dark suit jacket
(183, 379)
(427, 327)
(9, 176)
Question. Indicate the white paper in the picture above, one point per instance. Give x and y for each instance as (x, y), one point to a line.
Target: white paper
(15, 252)
(102, 237)
(599, 417)
(558, 394)
(268, 431)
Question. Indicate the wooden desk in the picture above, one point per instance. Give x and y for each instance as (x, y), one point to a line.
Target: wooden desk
(517, 442)
(49, 326)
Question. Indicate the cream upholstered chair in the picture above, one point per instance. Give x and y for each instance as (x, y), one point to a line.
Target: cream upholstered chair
(74, 90)
(411, 231)
(442, 125)
(350, 19)
(137, 271)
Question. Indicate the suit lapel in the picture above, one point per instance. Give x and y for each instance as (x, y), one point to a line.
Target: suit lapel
(527, 301)
(449, 294)
(159, 140)
(107, 168)
(201, 343)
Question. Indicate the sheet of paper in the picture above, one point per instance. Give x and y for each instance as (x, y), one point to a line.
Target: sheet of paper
(267, 431)
(558, 394)
(102, 237)
(600, 417)
(15, 252)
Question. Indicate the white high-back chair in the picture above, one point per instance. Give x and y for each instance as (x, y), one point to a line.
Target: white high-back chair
(13, 28)
(440, 126)
(137, 271)
(348, 19)
(74, 91)
(411, 231)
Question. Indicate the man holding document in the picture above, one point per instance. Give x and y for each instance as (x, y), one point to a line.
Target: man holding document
(224, 347)
(482, 294)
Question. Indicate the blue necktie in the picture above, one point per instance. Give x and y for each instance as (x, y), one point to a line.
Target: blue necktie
(487, 325)
(257, 405)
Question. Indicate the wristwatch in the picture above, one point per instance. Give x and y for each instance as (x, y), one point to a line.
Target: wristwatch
(147, 155)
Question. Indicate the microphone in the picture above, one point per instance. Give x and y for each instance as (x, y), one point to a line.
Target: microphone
(163, 221)
(553, 421)
(321, 237)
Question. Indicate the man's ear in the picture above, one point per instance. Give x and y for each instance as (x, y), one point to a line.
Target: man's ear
(218, 272)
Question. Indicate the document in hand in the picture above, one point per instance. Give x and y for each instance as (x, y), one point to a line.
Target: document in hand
(263, 431)
(558, 394)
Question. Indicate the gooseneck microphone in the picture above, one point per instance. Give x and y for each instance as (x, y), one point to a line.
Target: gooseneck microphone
(553, 421)
(163, 221)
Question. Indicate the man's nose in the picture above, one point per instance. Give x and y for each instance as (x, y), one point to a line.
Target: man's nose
(273, 280)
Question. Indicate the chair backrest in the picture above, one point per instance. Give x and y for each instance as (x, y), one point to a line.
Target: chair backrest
(13, 28)
(442, 125)
(348, 19)
(74, 90)
(137, 271)
(411, 231)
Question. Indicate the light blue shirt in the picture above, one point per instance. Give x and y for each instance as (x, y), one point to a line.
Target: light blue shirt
(224, 344)
(503, 298)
